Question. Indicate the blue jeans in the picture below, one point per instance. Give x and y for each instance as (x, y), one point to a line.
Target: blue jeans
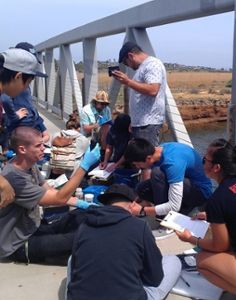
(56, 239)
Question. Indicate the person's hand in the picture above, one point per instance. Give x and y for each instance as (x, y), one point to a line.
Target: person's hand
(135, 209)
(90, 157)
(22, 112)
(120, 76)
(7, 192)
(184, 236)
(200, 216)
(84, 205)
(111, 167)
(103, 165)
(9, 154)
(102, 120)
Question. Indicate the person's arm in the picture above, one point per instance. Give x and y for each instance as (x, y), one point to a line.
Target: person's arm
(148, 89)
(45, 136)
(88, 128)
(62, 196)
(115, 165)
(9, 109)
(152, 273)
(108, 153)
(6, 191)
(219, 242)
(174, 202)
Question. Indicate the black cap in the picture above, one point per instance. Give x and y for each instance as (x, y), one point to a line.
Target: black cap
(125, 49)
(117, 190)
(30, 48)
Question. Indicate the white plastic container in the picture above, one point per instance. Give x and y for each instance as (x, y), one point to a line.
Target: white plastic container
(89, 198)
(79, 193)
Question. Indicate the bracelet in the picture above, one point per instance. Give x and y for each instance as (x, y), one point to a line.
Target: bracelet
(127, 82)
(197, 241)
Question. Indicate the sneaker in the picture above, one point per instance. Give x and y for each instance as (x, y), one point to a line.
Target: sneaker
(162, 232)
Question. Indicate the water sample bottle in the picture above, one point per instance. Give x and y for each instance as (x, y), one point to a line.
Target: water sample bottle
(79, 193)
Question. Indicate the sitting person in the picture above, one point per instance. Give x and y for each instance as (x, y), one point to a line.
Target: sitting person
(81, 144)
(93, 117)
(177, 179)
(117, 139)
(20, 110)
(217, 259)
(116, 253)
(23, 236)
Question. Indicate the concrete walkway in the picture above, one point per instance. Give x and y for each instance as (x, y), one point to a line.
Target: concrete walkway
(44, 282)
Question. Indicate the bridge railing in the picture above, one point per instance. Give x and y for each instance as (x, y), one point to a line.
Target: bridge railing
(61, 91)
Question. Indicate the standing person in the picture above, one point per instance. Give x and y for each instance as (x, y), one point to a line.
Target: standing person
(23, 236)
(147, 91)
(17, 69)
(117, 140)
(217, 259)
(20, 110)
(126, 264)
(177, 179)
(93, 120)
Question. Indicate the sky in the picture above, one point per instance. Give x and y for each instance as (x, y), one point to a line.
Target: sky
(204, 42)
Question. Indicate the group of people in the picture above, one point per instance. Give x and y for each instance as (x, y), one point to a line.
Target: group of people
(112, 250)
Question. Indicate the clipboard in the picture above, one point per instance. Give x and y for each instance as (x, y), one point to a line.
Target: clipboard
(179, 222)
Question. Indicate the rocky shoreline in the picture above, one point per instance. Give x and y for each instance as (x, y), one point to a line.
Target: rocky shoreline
(196, 111)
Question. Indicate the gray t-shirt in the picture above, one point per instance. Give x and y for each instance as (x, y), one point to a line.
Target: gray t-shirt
(21, 218)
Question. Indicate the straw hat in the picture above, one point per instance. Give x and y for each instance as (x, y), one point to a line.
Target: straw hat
(101, 96)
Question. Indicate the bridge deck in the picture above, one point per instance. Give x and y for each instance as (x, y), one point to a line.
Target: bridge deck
(42, 282)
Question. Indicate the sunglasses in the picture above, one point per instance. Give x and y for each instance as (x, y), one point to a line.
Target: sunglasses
(104, 103)
(204, 159)
(124, 61)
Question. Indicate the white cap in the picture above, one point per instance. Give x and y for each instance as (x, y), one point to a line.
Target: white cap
(19, 60)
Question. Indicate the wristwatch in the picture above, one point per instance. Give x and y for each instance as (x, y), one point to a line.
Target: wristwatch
(142, 212)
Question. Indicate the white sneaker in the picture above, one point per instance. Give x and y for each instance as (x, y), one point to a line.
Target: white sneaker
(162, 232)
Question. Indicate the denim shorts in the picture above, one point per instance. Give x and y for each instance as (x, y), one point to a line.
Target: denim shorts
(148, 132)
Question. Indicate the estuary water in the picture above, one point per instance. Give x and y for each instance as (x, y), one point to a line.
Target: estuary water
(201, 134)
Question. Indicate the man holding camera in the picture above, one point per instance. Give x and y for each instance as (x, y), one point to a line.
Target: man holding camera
(147, 91)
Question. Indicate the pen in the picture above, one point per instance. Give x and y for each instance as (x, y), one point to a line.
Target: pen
(159, 220)
(181, 277)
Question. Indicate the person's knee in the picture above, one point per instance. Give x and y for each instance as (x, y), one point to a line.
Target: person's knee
(171, 262)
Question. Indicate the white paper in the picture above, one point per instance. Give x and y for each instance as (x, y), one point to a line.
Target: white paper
(97, 172)
(179, 222)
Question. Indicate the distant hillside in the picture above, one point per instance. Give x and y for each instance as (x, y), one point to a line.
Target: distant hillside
(102, 67)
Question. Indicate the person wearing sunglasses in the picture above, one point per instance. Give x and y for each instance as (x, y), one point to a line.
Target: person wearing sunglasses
(95, 120)
(217, 259)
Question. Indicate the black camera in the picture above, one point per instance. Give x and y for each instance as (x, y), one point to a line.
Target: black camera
(112, 68)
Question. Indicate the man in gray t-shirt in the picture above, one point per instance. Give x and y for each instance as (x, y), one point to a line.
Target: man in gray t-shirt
(22, 234)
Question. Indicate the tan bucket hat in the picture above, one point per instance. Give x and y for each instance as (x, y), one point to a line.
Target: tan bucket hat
(101, 96)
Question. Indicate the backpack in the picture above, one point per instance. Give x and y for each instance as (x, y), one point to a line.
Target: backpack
(63, 153)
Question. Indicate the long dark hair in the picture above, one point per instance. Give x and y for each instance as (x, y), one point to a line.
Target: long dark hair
(224, 154)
